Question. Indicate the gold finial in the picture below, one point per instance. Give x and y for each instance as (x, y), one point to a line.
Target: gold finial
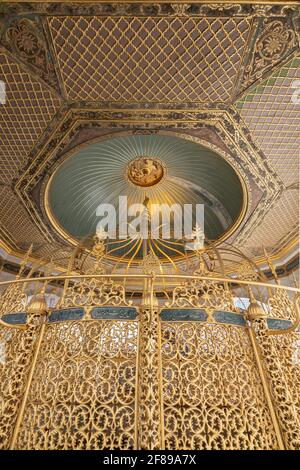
(202, 269)
(98, 251)
(254, 311)
(151, 264)
(37, 304)
(98, 248)
(198, 238)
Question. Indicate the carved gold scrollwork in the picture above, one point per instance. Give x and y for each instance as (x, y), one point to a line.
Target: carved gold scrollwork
(13, 300)
(281, 306)
(16, 353)
(149, 389)
(287, 407)
(213, 397)
(94, 292)
(202, 294)
(272, 46)
(24, 37)
(82, 394)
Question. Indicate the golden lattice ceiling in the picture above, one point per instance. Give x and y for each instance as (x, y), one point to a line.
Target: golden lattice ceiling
(220, 74)
(134, 59)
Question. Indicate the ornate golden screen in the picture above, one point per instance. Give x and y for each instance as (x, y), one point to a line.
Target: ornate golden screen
(120, 374)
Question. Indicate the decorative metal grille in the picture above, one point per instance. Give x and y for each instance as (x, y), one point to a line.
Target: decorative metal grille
(213, 395)
(185, 378)
(16, 352)
(288, 347)
(194, 368)
(83, 392)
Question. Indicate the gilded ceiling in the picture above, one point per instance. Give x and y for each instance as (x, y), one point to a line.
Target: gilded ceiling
(225, 76)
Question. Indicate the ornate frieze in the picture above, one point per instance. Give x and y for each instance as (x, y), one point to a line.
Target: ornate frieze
(192, 8)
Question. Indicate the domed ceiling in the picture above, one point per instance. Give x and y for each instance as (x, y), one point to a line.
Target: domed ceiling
(184, 173)
(96, 70)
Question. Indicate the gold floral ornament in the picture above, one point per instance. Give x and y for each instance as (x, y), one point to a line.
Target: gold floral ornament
(25, 39)
(145, 171)
(275, 42)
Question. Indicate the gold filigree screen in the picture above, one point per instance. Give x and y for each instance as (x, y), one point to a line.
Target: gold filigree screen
(213, 395)
(289, 348)
(152, 375)
(83, 392)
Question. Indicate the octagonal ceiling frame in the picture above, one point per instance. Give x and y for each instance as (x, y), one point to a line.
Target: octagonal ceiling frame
(225, 122)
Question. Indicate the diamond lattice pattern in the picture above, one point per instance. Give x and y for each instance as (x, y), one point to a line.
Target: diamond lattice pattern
(272, 112)
(14, 219)
(280, 225)
(28, 109)
(149, 59)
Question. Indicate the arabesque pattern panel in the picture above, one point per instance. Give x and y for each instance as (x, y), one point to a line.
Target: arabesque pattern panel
(83, 392)
(213, 395)
(16, 352)
(288, 348)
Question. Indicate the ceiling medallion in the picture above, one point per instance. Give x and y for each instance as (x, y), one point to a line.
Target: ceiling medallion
(145, 171)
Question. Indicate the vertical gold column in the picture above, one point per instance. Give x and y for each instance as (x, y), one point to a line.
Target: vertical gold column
(266, 387)
(281, 398)
(34, 333)
(150, 405)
